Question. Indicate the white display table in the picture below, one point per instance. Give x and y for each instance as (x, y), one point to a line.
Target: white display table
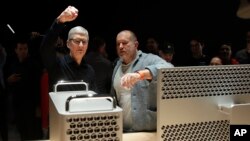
(140, 136)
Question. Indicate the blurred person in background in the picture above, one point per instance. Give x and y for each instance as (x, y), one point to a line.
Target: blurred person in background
(167, 52)
(215, 61)
(97, 58)
(243, 55)
(225, 54)
(3, 97)
(197, 57)
(152, 45)
(23, 74)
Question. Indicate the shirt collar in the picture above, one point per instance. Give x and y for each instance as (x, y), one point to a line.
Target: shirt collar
(70, 60)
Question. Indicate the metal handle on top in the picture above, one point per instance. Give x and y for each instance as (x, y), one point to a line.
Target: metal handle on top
(67, 105)
(60, 83)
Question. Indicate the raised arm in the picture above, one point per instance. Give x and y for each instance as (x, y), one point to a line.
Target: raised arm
(48, 51)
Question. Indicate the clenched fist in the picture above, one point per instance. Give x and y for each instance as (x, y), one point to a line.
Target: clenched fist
(69, 14)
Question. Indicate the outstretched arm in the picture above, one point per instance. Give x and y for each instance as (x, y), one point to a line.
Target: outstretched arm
(149, 72)
(129, 79)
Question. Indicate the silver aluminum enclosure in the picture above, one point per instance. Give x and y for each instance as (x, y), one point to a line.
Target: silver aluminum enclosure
(201, 102)
(84, 116)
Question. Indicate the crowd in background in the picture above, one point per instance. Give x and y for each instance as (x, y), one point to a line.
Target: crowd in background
(24, 78)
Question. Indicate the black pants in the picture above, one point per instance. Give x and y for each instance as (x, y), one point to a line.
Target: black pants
(3, 115)
(27, 124)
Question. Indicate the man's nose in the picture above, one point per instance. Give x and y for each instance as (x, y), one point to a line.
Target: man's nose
(120, 45)
(81, 44)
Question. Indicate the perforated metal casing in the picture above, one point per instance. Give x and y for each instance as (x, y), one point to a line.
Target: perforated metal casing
(86, 125)
(189, 99)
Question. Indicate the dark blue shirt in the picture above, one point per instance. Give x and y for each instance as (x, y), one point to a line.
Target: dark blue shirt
(64, 68)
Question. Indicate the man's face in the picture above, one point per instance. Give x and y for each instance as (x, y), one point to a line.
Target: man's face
(78, 46)
(167, 56)
(225, 52)
(22, 50)
(248, 42)
(152, 45)
(196, 47)
(248, 46)
(59, 42)
(126, 47)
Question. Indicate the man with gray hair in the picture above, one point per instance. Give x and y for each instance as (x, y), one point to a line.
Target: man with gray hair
(72, 66)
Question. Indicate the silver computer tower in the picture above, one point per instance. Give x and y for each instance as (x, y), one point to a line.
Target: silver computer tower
(199, 103)
(84, 116)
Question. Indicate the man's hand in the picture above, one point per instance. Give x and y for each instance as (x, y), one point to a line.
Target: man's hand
(14, 78)
(34, 34)
(129, 79)
(69, 14)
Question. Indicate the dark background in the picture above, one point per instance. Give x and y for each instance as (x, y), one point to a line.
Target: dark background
(176, 21)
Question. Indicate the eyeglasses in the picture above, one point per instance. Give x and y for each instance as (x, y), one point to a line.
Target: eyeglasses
(78, 41)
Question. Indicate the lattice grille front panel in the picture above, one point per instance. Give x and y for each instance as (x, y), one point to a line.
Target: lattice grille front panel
(97, 128)
(85, 125)
(200, 131)
(188, 100)
(205, 81)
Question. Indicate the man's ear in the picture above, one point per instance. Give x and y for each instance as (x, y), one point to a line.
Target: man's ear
(67, 44)
(161, 53)
(136, 44)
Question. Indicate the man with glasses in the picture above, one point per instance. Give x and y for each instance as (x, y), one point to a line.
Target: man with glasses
(72, 66)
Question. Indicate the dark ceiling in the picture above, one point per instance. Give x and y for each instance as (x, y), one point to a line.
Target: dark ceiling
(176, 20)
(105, 15)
